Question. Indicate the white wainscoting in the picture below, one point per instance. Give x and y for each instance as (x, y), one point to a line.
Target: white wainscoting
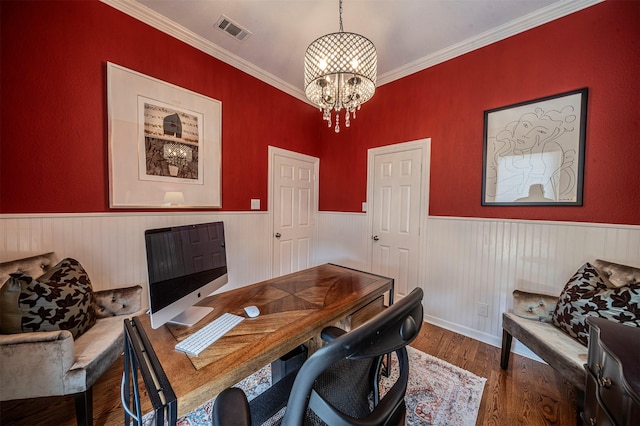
(472, 261)
(111, 246)
(467, 261)
(343, 239)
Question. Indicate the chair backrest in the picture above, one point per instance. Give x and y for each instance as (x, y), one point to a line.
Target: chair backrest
(33, 266)
(390, 331)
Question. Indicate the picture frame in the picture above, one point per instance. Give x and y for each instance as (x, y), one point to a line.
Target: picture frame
(164, 143)
(533, 152)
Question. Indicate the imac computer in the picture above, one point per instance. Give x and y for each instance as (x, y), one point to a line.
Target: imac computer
(185, 264)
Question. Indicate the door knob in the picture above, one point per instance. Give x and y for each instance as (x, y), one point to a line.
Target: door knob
(278, 235)
(375, 237)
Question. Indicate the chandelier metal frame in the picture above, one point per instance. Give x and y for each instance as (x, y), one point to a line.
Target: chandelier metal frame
(340, 73)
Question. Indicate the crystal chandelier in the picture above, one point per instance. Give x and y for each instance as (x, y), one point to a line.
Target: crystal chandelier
(340, 73)
(177, 155)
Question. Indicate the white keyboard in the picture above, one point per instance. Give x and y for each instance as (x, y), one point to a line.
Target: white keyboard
(203, 338)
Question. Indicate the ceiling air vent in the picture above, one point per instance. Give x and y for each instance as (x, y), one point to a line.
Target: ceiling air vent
(234, 30)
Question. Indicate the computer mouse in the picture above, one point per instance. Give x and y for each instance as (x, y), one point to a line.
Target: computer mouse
(252, 311)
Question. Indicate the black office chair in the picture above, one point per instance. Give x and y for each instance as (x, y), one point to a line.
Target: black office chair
(335, 385)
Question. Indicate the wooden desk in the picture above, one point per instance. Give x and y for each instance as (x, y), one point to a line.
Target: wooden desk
(293, 309)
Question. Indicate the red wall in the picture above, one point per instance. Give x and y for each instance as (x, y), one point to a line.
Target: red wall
(54, 149)
(598, 48)
(53, 146)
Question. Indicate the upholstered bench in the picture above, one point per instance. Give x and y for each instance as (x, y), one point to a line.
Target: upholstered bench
(532, 323)
(46, 363)
(560, 351)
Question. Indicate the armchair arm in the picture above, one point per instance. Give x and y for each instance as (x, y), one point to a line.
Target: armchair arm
(534, 306)
(119, 301)
(34, 337)
(35, 364)
(331, 333)
(231, 409)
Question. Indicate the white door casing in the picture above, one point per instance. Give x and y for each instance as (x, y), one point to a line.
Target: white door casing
(293, 203)
(397, 199)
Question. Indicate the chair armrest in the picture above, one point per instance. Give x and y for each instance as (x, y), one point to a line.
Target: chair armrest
(34, 337)
(48, 355)
(231, 409)
(118, 301)
(329, 334)
(534, 306)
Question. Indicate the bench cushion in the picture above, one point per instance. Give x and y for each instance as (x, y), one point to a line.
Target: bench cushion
(94, 352)
(564, 354)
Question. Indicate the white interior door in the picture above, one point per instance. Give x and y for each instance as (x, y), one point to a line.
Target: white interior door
(295, 205)
(397, 203)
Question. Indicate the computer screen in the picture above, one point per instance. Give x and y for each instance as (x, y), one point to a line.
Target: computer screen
(185, 264)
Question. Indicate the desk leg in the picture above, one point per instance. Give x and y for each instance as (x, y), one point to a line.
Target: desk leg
(386, 359)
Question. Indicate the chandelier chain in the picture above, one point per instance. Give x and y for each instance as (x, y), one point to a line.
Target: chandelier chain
(340, 7)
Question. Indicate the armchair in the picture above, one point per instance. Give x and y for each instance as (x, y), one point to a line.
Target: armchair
(334, 384)
(48, 363)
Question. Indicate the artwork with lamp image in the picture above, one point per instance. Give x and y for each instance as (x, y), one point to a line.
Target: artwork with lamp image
(171, 142)
(162, 151)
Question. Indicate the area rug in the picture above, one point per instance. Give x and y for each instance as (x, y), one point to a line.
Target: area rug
(438, 393)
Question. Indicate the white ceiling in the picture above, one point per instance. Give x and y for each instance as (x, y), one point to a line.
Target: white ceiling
(409, 35)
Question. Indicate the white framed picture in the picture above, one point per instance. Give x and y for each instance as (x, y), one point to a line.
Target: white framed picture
(164, 143)
(533, 151)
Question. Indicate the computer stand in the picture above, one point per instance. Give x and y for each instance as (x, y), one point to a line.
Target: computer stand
(191, 315)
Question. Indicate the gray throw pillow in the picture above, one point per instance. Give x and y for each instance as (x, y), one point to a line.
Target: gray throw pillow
(61, 299)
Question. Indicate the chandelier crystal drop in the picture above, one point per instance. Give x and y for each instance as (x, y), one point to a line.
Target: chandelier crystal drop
(340, 73)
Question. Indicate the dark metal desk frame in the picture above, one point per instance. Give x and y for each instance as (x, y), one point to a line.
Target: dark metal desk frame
(139, 357)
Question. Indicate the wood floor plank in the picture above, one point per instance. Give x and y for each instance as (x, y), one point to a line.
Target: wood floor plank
(528, 393)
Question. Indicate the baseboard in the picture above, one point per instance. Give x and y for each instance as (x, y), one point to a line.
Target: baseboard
(516, 347)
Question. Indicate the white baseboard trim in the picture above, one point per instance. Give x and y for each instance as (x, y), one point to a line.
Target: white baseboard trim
(516, 347)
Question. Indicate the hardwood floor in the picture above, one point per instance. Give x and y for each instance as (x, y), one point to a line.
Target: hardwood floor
(528, 393)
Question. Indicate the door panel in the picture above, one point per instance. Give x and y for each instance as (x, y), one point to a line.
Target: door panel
(285, 250)
(304, 207)
(303, 253)
(396, 204)
(294, 205)
(286, 203)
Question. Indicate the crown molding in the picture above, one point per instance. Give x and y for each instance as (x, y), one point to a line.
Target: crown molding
(160, 22)
(522, 24)
(148, 16)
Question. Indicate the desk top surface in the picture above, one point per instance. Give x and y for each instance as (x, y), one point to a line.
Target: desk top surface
(293, 309)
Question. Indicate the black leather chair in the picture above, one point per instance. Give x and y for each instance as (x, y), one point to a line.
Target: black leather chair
(335, 384)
